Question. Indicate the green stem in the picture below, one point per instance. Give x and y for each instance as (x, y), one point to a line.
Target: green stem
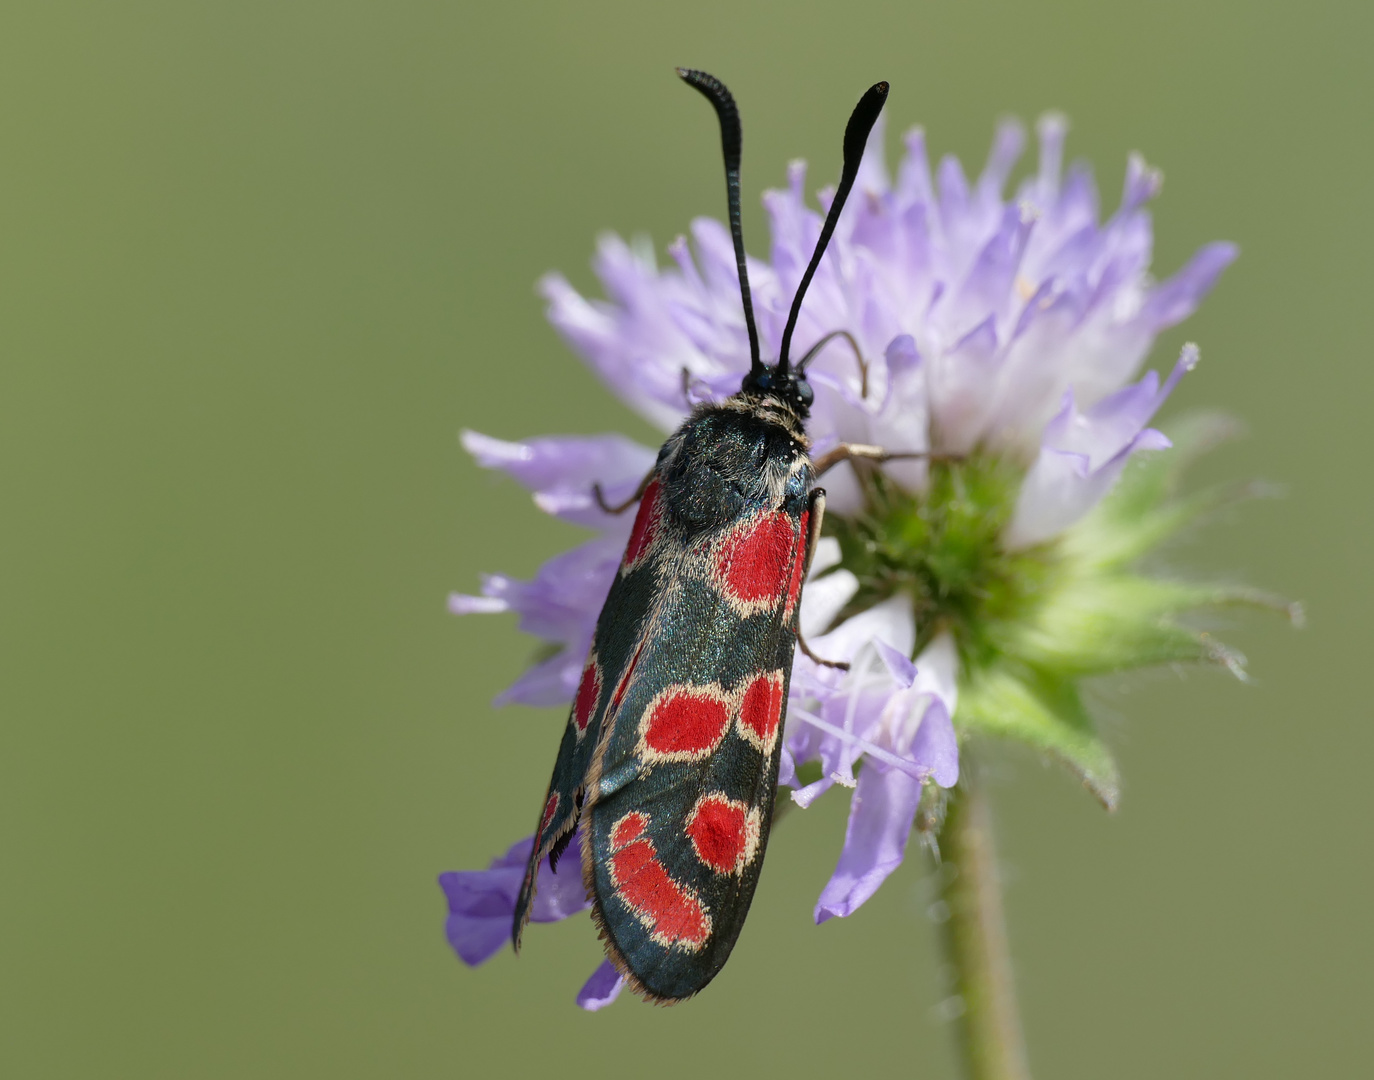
(975, 938)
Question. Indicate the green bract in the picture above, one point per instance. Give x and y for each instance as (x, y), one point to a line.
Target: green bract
(1032, 625)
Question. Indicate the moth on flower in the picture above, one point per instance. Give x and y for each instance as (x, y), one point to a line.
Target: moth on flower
(970, 583)
(669, 761)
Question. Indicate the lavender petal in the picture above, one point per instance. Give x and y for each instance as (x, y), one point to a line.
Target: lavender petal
(601, 989)
(1084, 453)
(1175, 299)
(880, 818)
(481, 903)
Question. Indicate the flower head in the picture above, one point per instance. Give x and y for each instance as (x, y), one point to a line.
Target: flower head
(969, 589)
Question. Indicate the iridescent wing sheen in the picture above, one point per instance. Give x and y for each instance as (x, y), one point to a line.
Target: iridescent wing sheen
(679, 793)
(619, 630)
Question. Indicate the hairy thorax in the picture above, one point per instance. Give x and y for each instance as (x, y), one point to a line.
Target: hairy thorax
(730, 457)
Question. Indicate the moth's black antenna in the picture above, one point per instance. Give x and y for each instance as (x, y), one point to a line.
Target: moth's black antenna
(730, 143)
(861, 122)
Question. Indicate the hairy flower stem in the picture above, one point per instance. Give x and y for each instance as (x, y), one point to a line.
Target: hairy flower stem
(975, 937)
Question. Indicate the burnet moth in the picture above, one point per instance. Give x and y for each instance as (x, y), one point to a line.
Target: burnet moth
(669, 763)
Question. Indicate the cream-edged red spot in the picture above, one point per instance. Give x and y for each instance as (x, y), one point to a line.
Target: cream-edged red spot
(671, 912)
(753, 562)
(684, 723)
(648, 525)
(628, 828)
(550, 809)
(798, 567)
(760, 711)
(724, 832)
(588, 694)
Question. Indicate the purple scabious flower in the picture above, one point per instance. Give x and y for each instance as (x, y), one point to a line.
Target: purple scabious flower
(969, 591)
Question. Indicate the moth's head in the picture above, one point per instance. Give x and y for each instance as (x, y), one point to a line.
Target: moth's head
(783, 382)
(790, 387)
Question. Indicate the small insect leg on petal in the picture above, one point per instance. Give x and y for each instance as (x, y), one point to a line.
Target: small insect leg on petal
(865, 452)
(620, 508)
(689, 383)
(842, 665)
(859, 356)
(815, 515)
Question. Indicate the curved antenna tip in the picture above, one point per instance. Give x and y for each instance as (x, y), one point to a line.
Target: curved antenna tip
(856, 133)
(731, 141)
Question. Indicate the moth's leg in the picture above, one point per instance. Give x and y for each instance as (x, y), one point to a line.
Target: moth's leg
(620, 508)
(865, 452)
(863, 367)
(705, 391)
(842, 665)
(816, 515)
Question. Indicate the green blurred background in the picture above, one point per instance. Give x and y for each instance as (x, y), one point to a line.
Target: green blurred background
(262, 261)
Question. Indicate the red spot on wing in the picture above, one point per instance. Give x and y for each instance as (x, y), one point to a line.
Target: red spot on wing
(672, 914)
(685, 722)
(550, 809)
(724, 832)
(760, 710)
(646, 527)
(755, 562)
(628, 828)
(588, 694)
(798, 566)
